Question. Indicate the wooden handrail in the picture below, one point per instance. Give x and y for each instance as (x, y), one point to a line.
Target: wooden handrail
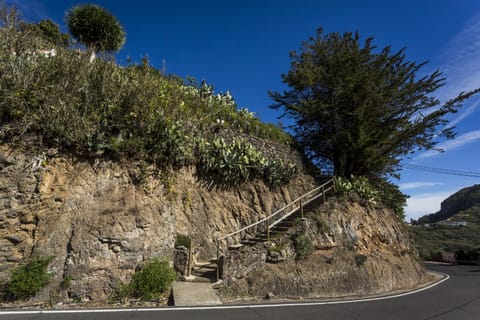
(317, 192)
(323, 188)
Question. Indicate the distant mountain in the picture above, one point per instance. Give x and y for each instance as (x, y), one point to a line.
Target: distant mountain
(455, 228)
(459, 201)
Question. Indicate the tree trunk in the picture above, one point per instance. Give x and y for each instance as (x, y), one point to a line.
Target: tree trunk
(92, 56)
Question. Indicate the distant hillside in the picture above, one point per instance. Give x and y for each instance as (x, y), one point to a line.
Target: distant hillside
(455, 228)
(459, 201)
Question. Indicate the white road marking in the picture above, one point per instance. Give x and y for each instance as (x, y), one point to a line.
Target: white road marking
(272, 305)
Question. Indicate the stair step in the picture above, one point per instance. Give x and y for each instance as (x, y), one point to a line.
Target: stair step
(285, 227)
(280, 228)
(204, 272)
(255, 240)
(278, 232)
(249, 242)
(207, 268)
(235, 246)
(197, 278)
(261, 238)
(286, 222)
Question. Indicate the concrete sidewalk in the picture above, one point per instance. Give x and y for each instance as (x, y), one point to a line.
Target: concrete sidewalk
(194, 294)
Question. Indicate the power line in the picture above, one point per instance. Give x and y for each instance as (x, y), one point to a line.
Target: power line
(471, 174)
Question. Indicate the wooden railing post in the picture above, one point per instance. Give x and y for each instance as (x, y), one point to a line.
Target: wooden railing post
(218, 260)
(268, 232)
(189, 261)
(301, 208)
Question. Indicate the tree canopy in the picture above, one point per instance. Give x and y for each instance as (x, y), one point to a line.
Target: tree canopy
(48, 31)
(95, 27)
(359, 110)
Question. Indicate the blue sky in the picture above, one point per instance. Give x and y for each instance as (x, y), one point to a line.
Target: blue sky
(243, 45)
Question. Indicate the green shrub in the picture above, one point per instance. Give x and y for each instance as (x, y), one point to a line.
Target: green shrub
(359, 185)
(66, 282)
(277, 248)
(277, 173)
(316, 217)
(27, 280)
(231, 163)
(374, 191)
(390, 195)
(303, 245)
(167, 144)
(153, 279)
(360, 259)
(136, 112)
(183, 240)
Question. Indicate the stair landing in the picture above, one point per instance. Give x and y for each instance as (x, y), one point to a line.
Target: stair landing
(194, 294)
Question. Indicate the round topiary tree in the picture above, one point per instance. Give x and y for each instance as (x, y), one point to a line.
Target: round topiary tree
(96, 28)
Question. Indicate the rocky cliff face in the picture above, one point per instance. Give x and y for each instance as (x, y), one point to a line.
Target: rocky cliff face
(355, 250)
(95, 223)
(99, 225)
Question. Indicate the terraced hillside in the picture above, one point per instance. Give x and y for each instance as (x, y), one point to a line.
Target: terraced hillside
(455, 228)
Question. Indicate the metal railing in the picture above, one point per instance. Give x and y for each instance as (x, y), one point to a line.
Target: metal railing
(266, 224)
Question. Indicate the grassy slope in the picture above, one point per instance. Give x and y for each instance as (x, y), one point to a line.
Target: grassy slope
(133, 112)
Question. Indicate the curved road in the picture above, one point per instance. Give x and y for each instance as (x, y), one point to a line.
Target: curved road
(456, 298)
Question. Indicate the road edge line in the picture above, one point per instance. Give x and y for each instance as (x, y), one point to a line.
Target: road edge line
(226, 307)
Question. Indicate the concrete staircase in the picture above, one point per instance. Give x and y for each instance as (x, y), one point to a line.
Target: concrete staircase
(197, 289)
(281, 227)
(206, 271)
(278, 222)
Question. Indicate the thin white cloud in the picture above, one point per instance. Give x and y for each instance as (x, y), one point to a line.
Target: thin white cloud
(460, 64)
(457, 143)
(465, 114)
(31, 10)
(422, 204)
(418, 185)
(459, 61)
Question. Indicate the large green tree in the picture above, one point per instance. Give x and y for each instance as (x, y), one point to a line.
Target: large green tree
(358, 109)
(96, 28)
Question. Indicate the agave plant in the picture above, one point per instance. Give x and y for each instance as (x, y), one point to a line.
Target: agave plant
(239, 161)
(359, 185)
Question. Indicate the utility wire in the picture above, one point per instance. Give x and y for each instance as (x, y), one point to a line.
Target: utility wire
(471, 174)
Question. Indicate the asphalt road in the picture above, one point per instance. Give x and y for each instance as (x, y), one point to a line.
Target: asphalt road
(457, 298)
